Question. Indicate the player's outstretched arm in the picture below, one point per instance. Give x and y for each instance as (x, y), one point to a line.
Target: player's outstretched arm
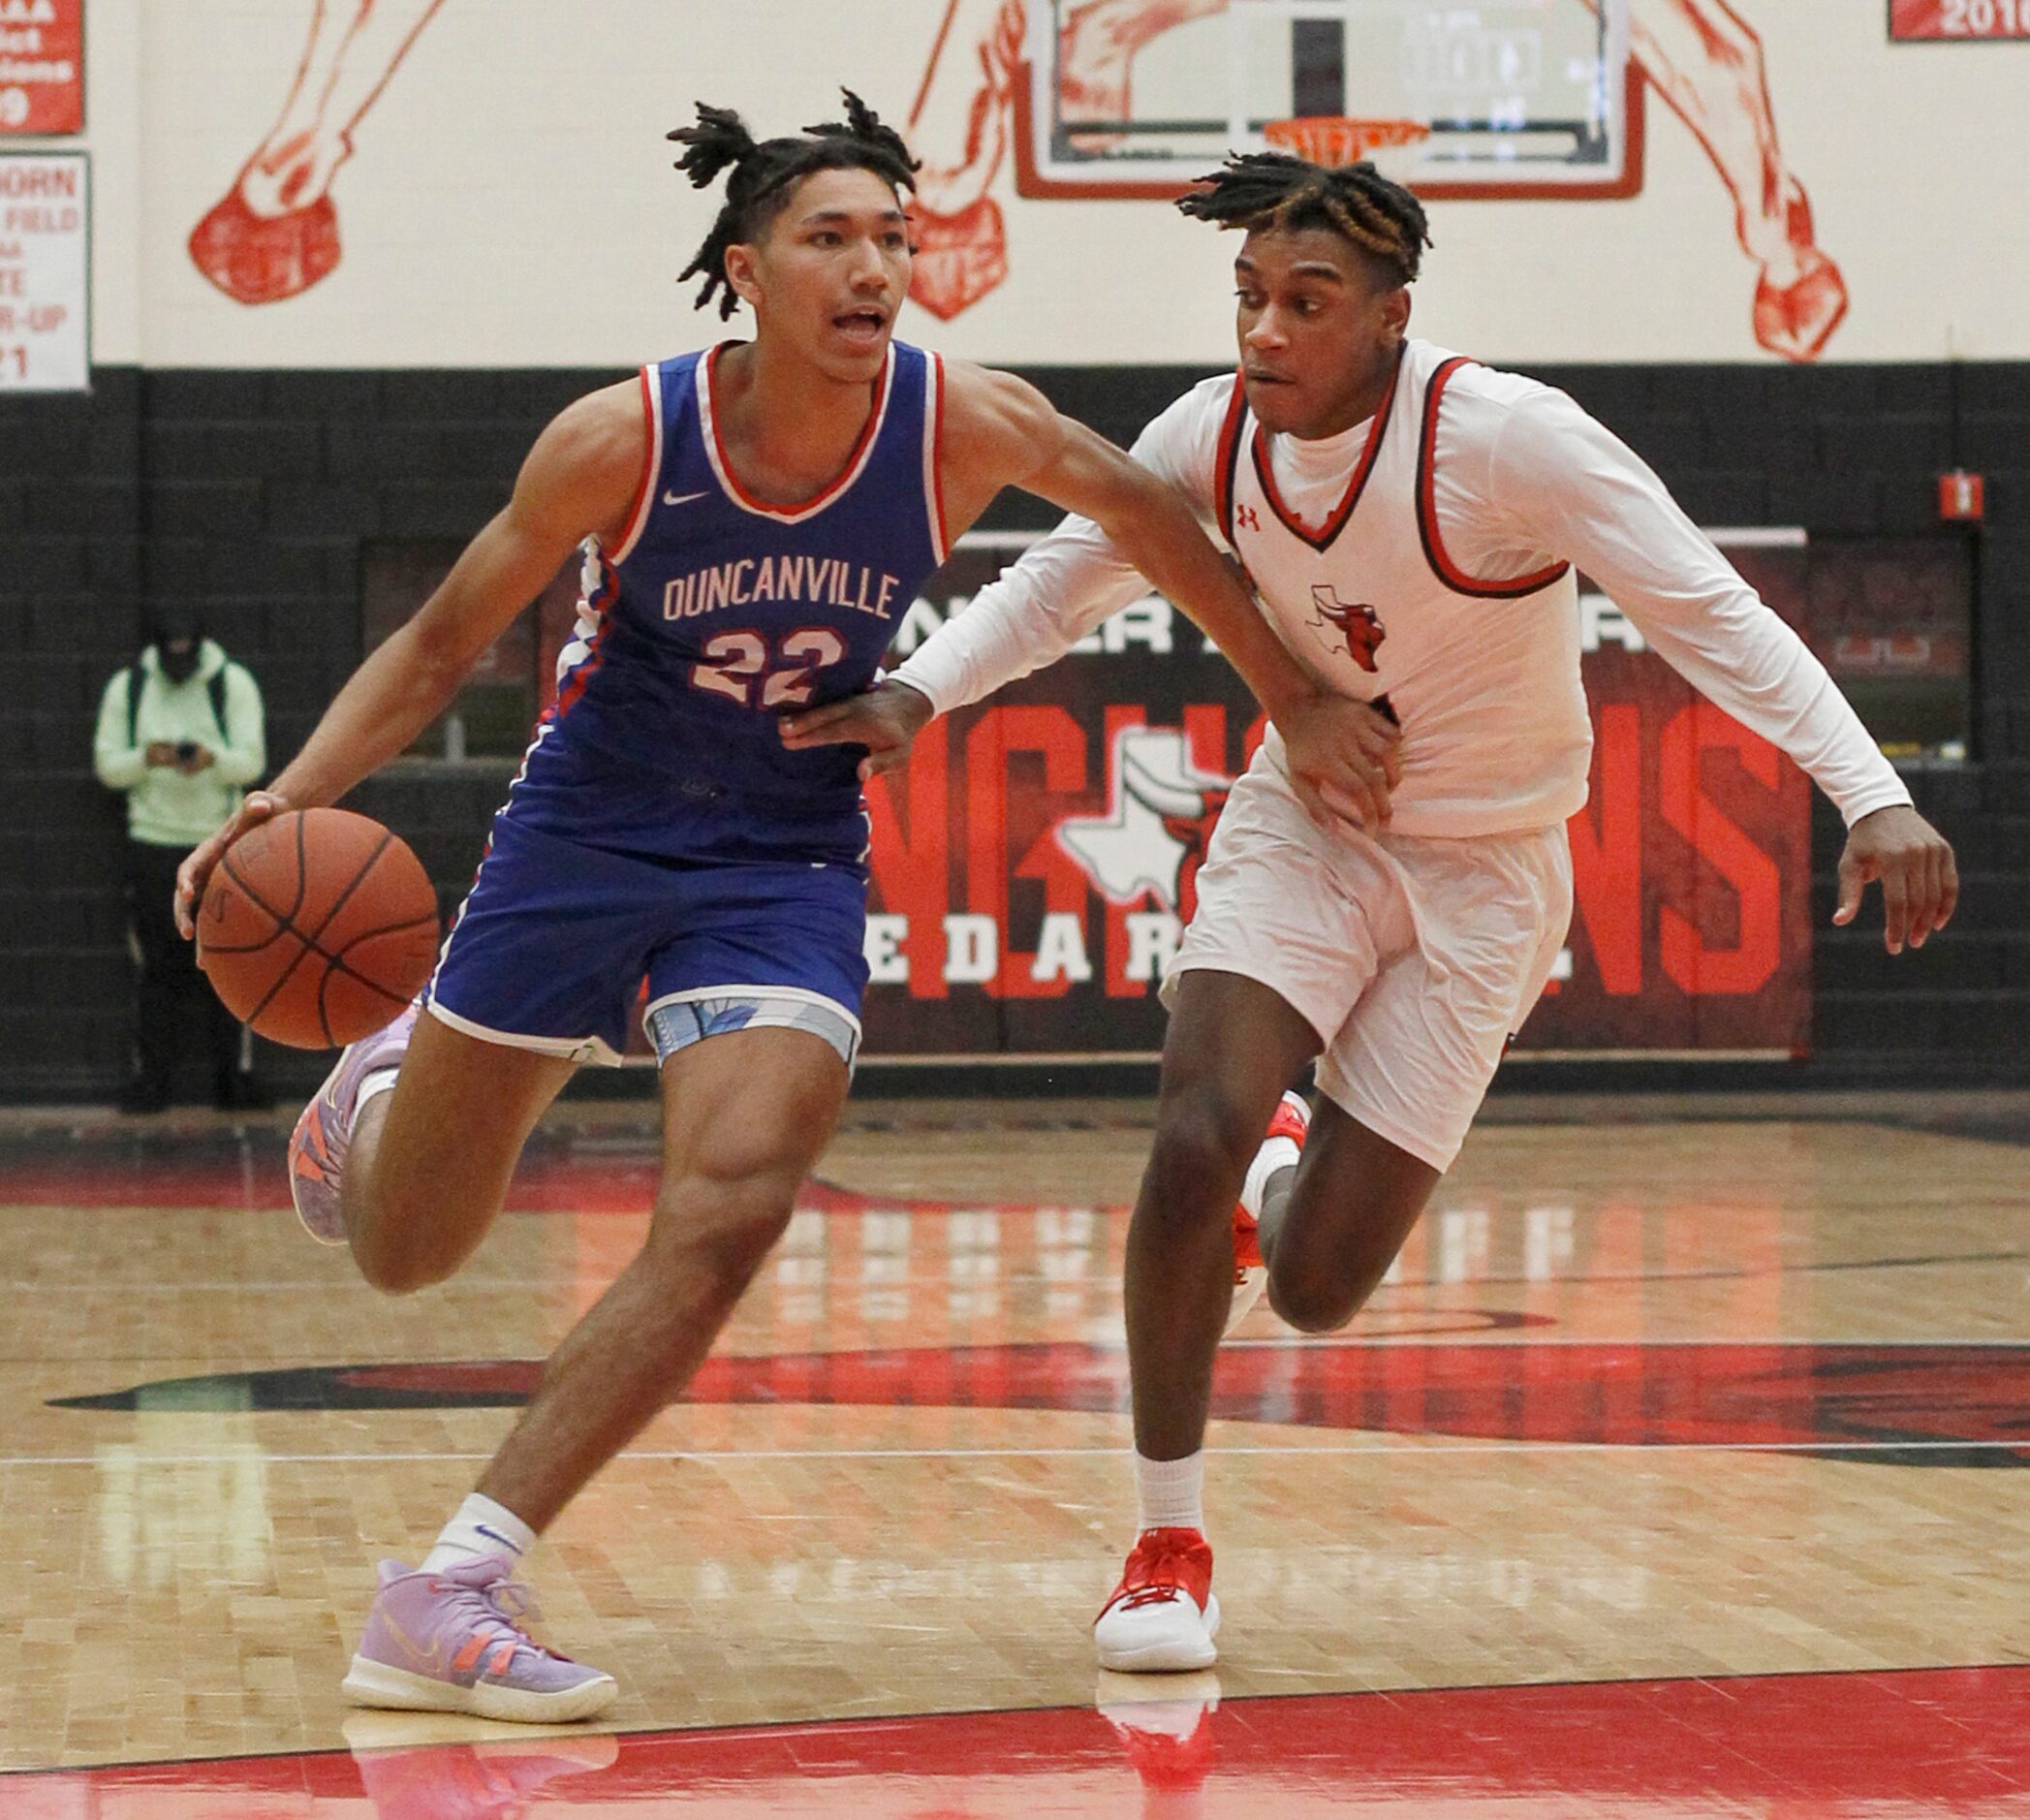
(580, 480)
(1584, 494)
(1005, 433)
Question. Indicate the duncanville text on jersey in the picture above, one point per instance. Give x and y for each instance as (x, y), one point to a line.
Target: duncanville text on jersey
(821, 580)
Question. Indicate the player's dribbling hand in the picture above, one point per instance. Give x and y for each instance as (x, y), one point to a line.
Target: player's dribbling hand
(1914, 861)
(1345, 758)
(886, 719)
(195, 873)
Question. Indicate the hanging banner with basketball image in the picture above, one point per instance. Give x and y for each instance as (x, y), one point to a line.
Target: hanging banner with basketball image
(41, 67)
(1034, 867)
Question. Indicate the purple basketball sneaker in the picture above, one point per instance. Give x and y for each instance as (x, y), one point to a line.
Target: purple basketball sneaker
(450, 1643)
(318, 1145)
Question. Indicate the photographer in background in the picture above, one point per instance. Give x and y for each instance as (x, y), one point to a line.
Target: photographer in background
(180, 731)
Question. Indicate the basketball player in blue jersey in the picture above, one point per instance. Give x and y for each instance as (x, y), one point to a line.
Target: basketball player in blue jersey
(756, 520)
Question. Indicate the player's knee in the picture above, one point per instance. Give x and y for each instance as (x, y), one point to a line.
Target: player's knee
(730, 1224)
(1203, 1142)
(1320, 1292)
(1312, 1301)
(403, 1266)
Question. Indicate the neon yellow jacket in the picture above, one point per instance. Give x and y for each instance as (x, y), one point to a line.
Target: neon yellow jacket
(164, 808)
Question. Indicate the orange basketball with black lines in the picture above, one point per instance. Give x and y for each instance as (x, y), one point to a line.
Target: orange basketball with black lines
(317, 927)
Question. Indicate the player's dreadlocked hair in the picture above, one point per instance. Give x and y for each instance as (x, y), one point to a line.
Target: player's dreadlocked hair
(1274, 190)
(763, 172)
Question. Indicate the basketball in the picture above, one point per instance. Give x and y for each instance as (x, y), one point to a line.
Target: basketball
(317, 927)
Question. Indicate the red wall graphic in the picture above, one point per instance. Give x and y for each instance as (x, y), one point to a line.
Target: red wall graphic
(1703, 60)
(275, 232)
(41, 67)
(1034, 866)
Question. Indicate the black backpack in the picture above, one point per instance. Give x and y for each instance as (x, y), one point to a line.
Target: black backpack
(215, 688)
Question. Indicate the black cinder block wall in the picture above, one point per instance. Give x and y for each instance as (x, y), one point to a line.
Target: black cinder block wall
(252, 492)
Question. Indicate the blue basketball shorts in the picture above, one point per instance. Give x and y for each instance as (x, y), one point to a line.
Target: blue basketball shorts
(552, 946)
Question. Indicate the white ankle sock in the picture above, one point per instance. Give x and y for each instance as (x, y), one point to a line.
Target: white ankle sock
(379, 1082)
(1169, 1493)
(1275, 1153)
(480, 1527)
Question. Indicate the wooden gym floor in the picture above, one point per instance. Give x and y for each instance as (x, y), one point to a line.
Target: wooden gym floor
(1678, 1468)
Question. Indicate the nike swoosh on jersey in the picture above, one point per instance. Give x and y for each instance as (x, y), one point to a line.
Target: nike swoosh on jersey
(682, 499)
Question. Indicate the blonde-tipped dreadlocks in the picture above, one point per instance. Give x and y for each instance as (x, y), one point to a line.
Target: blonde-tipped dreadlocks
(1274, 190)
(765, 170)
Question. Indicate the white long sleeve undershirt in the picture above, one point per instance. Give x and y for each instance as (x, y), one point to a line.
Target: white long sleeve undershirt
(1524, 478)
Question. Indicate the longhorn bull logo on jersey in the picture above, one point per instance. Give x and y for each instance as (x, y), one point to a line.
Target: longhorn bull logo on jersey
(1358, 628)
(1160, 814)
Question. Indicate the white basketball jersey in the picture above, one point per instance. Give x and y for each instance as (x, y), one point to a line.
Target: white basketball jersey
(1482, 676)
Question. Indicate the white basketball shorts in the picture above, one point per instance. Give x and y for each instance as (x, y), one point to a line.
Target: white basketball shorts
(1414, 959)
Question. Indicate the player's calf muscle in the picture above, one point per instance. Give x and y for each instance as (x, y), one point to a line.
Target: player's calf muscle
(1330, 1256)
(411, 1226)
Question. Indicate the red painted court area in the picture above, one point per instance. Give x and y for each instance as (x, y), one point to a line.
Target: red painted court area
(1895, 1405)
(1945, 1742)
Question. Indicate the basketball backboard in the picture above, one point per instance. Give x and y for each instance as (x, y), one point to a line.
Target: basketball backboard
(1135, 98)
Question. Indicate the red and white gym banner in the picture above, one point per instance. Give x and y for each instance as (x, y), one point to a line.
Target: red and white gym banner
(41, 67)
(1035, 866)
(1952, 21)
(45, 271)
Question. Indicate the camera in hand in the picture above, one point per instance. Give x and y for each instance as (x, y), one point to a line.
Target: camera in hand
(186, 751)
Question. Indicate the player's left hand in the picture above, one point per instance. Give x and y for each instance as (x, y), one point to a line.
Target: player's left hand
(886, 719)
(1914, 861)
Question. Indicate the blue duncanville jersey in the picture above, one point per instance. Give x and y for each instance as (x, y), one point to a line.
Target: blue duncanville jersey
(716, 614)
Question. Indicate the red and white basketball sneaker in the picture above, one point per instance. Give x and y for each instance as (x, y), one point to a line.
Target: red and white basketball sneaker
(1280, 1148)
(1162, 1615)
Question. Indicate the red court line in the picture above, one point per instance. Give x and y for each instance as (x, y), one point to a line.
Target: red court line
(1908, 1742)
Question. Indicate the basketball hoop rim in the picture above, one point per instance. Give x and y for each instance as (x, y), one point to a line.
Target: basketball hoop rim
(1328, 138)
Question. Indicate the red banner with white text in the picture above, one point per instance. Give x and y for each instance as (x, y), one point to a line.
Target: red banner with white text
(41, 67)
(1034, 867)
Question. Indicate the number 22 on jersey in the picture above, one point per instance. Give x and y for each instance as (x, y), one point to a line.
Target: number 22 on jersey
(732, 661)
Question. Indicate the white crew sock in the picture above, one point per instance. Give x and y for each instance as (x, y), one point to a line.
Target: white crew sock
(482, 1527)
(1169, 1493)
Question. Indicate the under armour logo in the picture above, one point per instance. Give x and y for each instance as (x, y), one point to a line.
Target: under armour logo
(1246, 520)
(1353, 622)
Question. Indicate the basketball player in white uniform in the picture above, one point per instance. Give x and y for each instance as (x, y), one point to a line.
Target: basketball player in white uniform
(1411, 521)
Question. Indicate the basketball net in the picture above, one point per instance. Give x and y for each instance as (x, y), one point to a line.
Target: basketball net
(1331, 139)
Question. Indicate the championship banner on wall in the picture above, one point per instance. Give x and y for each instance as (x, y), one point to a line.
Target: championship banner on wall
(1951, 21)
(41, 67)
(45, 271)
(1035, 866)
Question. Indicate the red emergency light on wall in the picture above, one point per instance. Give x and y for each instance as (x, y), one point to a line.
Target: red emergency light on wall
(1961, 497)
